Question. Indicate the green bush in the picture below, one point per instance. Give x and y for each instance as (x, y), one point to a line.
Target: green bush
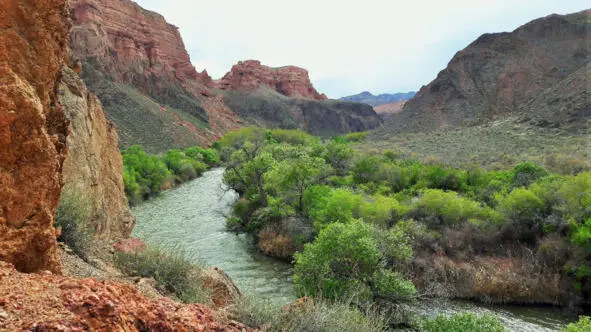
(446, 178)
(526, 173)
(148, 171)
(463, 322)
(345, 262)
(437, 207)
(365, 168)
(175, 272)
(582, 325)
(381, 210)
(356, 137)
(341, 205)
(73, 215)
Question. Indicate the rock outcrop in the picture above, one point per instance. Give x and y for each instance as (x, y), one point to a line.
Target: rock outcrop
(502, 73)
(94, 166)
(68, 304)
(33, 130)
(290, 81)
(386, 111)
(137, 64)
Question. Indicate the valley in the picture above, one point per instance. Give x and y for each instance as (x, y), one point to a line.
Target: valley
(138, 193)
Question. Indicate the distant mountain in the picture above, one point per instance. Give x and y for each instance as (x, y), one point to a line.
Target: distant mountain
(367, 97)
(539, 72)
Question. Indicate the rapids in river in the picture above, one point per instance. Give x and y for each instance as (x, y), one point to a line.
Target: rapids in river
(192, 218)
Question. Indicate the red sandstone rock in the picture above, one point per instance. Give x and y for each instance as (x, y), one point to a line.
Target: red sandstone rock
(290, 80)
(33, 130)
(56, 303)
(138, 47)
(131, 245)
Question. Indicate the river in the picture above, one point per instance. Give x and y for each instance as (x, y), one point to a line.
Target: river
(192, 218)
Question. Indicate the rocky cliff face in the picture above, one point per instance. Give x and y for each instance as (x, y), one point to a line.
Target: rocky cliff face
(503, 73)
(33, 130)
(290, 81)
(94, 165)
(138, 66)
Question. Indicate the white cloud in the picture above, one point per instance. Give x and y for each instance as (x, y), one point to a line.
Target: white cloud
(347, 46)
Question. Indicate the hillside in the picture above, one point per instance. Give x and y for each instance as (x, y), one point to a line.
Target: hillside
(381, 99)
(537, 70)
(521, 95)
(144, 78)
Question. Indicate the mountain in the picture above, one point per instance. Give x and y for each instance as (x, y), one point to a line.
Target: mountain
(137, 64)
(538, 72)
(382, 99)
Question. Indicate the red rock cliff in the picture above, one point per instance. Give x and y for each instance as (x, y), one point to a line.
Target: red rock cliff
(290, 81)
(33, 43)
(119, 41)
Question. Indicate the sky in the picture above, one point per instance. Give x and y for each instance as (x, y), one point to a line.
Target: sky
(348, 46)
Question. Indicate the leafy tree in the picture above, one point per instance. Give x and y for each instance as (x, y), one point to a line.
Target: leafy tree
(582, 325)
(345, 261)
(338, 155)
(365, 168)
(526, 173)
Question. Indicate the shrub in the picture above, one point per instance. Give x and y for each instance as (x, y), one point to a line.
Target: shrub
(292, 136)
(522, 208)
(73, 215)
(463, 322)
(149, 171)
(338, 156)
(438, 207)
(365, 168)
(255, 312)
(340, 206)
(381, 210)
(446, 178)
(321, 315)
(392, 285)
(526, 173)
(339, 263)
(174, 272)
(356, 137)
(582, 325)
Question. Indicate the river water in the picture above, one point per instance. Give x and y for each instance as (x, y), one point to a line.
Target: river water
(192, 218)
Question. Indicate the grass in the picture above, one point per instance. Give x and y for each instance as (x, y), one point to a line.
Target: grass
(496, 145)
(307, 315)
(174, 272)
(73, 215)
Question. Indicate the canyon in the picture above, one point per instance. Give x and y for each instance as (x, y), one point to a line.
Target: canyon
(155, 97)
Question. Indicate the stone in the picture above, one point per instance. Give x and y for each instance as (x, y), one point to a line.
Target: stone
(33, 130)
(290, 81)
(223, 290)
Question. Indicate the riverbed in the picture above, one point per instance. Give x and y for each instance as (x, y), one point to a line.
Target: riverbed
(192, 218)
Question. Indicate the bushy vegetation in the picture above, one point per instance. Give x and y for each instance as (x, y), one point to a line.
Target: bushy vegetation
(173, 271)
(308, 315)
(462, 322)
(582, 325)
(361, 217)
(73, 215)
(146, 175)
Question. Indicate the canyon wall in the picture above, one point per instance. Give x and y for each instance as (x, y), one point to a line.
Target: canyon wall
(33, 130)
(94, 166)
(506, 73)
(136, 63)
(290, 81)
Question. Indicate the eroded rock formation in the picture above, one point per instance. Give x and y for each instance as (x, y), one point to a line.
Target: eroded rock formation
(137, 64)
(290, 81)
(33, 130)
(93, 166)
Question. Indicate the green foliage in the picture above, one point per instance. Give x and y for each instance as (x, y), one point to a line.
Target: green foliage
(463, 322)
(291, 136)
(344, 262)
(438, 207)
(381, 210)
(147, 171)
(365, 168)
(356, 137)
(582, 325)
(175, 272)
(341, 205)
(582, 235)
(338, 155)
(526, 173)
(73, 215)
(145, 175)
(446, 178)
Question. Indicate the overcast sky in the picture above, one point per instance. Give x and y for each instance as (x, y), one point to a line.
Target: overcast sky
(347, 46)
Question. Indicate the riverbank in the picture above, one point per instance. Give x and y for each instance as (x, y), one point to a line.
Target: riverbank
(192, 216)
